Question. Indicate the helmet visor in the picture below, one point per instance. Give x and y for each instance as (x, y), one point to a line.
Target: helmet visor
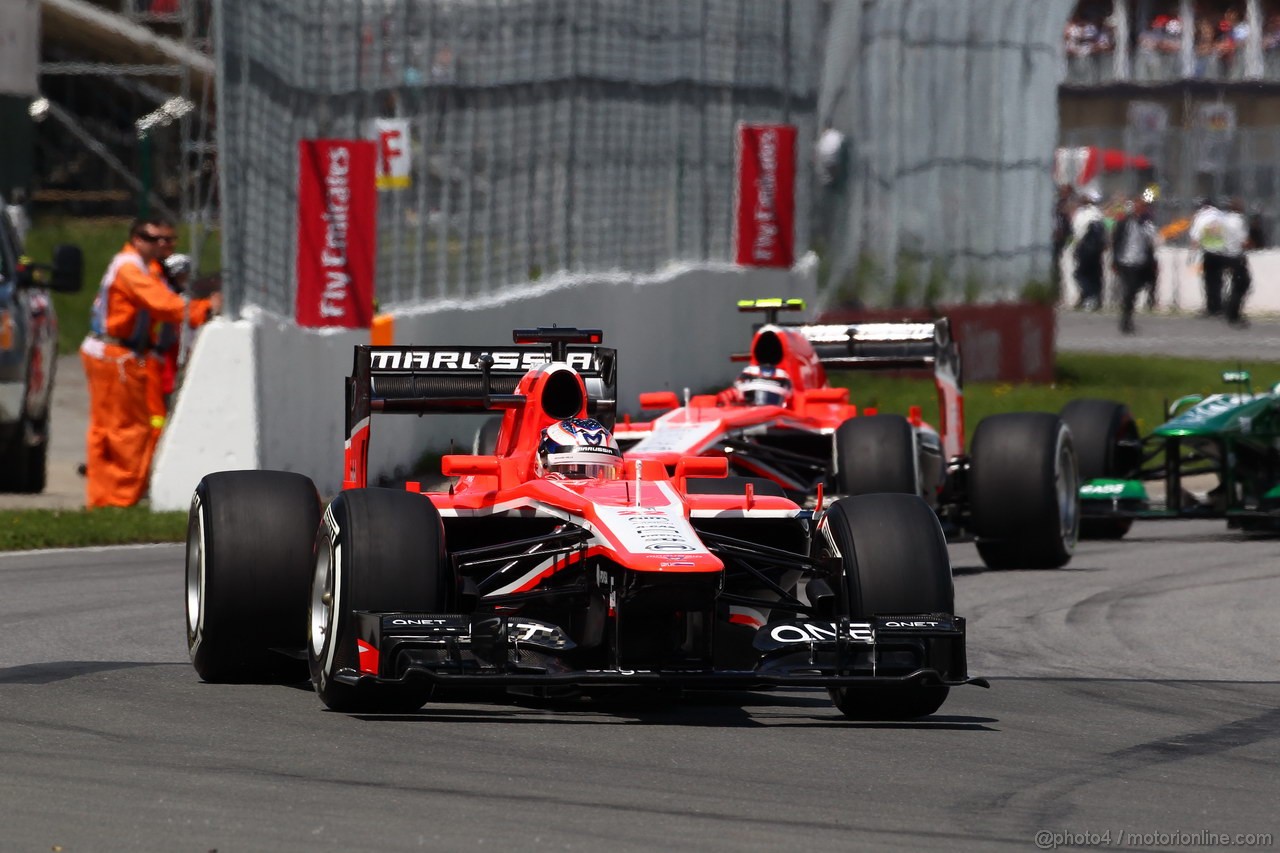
(580, 464)
(764, 392)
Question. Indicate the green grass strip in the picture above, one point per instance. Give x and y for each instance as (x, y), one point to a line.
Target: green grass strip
(29, 529)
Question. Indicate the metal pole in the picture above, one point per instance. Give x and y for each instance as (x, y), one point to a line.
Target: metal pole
(144, 168)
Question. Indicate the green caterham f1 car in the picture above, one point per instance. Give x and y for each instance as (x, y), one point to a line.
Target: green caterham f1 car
(1216, 457)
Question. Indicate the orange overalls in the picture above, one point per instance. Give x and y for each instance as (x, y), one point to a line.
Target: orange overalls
(162, 369)
(130, 298)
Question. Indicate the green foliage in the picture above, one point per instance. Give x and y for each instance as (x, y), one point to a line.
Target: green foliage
(1039, 292)
(27, 529)
(906, 283)
(99, 240)
(935, 287)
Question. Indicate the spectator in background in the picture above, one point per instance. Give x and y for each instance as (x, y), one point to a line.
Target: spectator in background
(1271, 32)
(1089, 239)
(831, 168)
(1208, 51)
(1271, 46)
(1133, 256)
(1158, 48)
(1233, 35)
(1206, 234)
(1087, 37)
(16, 210)
(1061, 236)
(1235, 260)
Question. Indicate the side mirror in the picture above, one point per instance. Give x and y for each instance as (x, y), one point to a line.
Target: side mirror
(68, 269)
(1190, 399)
(655, 400)
(457, 465)
(826, 395)
(702, 466)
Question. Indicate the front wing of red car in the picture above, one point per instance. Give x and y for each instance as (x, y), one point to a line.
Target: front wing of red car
(518, 651)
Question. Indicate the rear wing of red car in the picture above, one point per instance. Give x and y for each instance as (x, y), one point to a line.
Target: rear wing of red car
(899, 346)
(885, 346)
(475, 379)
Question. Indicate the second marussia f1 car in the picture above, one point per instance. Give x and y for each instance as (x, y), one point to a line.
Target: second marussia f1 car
(1014, 492)
(1216, 457)
(555, 565)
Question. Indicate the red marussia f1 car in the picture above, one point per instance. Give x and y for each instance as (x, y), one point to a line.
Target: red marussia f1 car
(1014, 492)
(555, 565)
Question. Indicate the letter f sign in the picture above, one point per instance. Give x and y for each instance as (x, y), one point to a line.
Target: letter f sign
(389, 149)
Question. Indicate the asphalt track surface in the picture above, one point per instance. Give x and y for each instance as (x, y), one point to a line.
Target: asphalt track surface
(1135, 691)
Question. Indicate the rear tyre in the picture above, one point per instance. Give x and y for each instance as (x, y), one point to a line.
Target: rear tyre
(486, 441)
(378, 550)
(1024, 491)
(732, 486)
(895, 561)
(876, 454)
(249, 542)
(1101, 429)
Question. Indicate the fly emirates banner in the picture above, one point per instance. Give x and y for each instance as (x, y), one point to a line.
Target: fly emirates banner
(337, 232)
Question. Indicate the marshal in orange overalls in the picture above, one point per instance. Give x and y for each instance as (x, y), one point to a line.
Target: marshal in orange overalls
(131, 297)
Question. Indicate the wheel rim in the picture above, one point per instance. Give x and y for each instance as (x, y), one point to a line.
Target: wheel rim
(195, 577)
(324, 601)
(1066, 482)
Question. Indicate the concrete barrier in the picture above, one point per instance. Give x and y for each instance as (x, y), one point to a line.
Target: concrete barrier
(262, 393)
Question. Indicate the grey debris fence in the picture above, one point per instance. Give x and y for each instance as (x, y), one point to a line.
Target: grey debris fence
(547, 135)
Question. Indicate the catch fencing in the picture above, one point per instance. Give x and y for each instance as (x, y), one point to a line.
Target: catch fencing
(951, 118)
(548, 136)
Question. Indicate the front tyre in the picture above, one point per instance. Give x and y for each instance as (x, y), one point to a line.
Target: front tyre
(876, 453)
(378, 550)
(1107, 447)
(249, 541)
(895, 562)
(1024, 491)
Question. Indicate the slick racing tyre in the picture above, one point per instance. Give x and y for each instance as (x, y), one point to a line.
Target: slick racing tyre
(249, 541)
(732, 486)
(876, 453)
(895, 561)
(1024, 491)
(377, 550)
(486, 441)
(1106, 440)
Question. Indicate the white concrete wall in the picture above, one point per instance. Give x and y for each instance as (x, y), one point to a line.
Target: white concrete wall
(1180, 287)
(261, 392)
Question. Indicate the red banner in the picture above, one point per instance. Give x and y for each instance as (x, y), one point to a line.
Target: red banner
(764, 219)
(337, 232)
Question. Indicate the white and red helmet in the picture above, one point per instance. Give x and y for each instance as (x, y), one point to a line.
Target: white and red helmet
(764, 385)
(579, 449)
